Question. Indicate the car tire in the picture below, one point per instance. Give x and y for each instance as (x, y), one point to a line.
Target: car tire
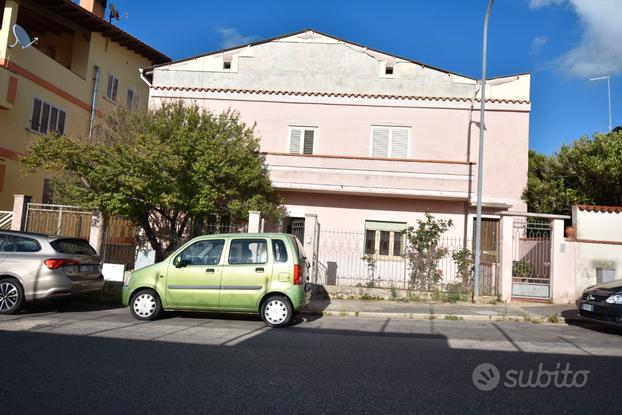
(11, 296)
(145, 305)
(277, 311)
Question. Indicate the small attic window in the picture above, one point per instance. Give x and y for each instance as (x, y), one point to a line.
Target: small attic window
(388, 70)
(226, 65)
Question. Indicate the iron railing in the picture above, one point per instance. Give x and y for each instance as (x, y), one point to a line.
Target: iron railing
(341, 260)
(62, 220)
(6, 217)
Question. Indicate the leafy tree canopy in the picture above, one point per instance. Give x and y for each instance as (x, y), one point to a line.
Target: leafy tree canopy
(588, 171)
(168, 169)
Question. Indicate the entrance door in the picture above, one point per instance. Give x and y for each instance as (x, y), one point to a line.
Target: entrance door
(193, 277)
(296, 226)
(247, 275)
(488, 256)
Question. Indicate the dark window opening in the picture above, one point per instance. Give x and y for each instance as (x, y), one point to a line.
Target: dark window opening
(226, 65)
(384, 243)
(370, 242)
(388, 70)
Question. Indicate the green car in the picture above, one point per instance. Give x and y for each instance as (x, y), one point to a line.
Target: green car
(261, 273)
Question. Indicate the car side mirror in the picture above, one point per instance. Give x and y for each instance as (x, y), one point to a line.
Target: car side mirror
(179, 263)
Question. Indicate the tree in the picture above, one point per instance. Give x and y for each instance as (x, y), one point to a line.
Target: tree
(424, 251)
(588, 171)
(170, 170)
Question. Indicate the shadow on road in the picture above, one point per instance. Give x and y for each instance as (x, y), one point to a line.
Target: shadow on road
(303, 369)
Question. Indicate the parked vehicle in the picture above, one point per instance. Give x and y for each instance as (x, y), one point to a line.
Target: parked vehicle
(40, 267)
(602, 303)
(245, 273)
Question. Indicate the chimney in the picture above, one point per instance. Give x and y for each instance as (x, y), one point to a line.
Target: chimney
(97, 7)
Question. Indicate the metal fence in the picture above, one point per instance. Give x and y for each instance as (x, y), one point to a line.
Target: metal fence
(58, 220)
(341, 261)
(6, 217)
(119, 242)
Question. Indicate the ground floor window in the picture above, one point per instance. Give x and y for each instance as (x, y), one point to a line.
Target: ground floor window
(385, 238)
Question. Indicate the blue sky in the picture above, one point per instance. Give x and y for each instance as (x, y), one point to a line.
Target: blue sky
(562, 43)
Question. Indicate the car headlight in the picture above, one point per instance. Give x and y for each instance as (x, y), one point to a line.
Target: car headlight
(615, 299)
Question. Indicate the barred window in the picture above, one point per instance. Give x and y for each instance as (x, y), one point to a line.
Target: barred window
(384, 238)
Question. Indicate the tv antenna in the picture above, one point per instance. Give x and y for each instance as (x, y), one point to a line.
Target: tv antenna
(21, 37)
(114, 14)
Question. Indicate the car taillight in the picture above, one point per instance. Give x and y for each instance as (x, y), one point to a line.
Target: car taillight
(55, 263)
(297, 279)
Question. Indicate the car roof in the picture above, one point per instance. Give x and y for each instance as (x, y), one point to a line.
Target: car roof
(38, 235)
(249, 235)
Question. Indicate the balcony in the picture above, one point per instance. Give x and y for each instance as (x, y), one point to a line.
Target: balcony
(431, 179)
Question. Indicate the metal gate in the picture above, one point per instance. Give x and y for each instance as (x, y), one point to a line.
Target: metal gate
(58, 220)
(119, 235)
(531, 259)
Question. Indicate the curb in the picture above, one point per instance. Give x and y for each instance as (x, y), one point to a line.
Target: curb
(426, 316)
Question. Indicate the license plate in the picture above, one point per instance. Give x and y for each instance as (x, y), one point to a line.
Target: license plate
(587, 307)
(89, 268)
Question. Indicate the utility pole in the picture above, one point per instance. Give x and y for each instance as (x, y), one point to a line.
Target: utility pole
(480, 161)
(608, 78)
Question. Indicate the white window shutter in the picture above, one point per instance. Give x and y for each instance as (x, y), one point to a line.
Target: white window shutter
(380, 142)
(294, 140)
(307, 147)
(399, 143)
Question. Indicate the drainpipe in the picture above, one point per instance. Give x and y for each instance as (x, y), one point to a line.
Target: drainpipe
(94, 103)
(142, 76)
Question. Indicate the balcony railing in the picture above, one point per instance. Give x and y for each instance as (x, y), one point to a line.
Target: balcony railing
(436, 179)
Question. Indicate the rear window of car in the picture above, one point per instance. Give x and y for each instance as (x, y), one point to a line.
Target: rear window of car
(73, 246)
(300, 250)
(279, 252)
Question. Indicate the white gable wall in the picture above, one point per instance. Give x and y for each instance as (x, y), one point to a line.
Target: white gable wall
(316, 63)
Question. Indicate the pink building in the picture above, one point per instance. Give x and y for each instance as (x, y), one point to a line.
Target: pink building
(365, 140)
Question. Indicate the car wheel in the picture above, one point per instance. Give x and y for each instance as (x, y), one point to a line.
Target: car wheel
(145, 305)
(11, 296)
(277, 311)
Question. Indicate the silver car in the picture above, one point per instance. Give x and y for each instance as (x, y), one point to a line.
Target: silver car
(40, 267)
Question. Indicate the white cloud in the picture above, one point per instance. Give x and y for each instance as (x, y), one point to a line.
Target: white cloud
(599, 52)
(230, 37)
(536, 4)
(537, 43)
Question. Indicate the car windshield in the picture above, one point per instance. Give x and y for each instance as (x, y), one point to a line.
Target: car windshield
(73, 246)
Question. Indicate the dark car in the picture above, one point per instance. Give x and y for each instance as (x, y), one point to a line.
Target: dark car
(602, 303)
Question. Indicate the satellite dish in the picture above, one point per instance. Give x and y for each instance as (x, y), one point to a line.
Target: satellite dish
(114, 13)
(22, 37)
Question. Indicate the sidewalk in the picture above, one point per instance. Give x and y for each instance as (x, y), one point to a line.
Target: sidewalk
(537, 313)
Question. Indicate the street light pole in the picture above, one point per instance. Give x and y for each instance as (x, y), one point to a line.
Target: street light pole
(608, 78)
(480, 161)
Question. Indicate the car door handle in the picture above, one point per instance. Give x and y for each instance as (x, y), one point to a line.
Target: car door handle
(210, 270)
(259, 269)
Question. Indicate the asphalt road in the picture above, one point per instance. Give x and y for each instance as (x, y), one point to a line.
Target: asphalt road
(85, 359)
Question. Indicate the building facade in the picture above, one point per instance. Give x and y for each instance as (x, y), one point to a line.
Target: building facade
(365, 140)
(80, 67)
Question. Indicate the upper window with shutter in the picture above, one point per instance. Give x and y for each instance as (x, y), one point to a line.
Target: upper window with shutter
(389, 142)
(302, 140)
(47, 118)
(112, 88)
